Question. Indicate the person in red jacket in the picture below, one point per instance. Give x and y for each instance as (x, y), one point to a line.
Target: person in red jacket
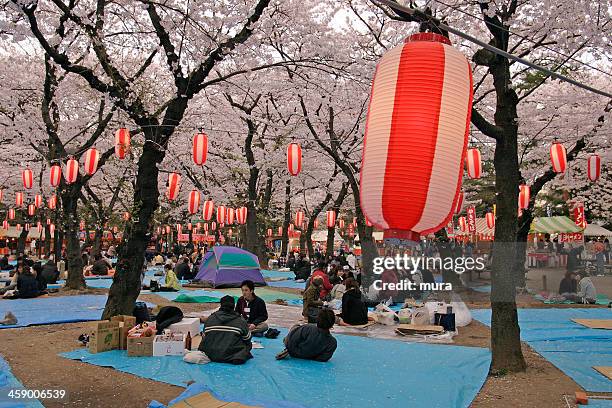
(326, 287)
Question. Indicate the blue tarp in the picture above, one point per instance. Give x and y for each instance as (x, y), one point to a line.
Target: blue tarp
(482, 289)
(287, 284)
(571, 347)
(277, 274)
(9, 381)
(53, 310)
(363, 372)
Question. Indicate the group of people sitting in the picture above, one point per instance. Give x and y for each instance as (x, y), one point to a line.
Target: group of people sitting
(29, 279)
(578, 288)
(228, 332)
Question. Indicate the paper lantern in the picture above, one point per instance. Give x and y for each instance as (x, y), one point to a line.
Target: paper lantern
(213, 226)
(11, 214)
(52, 229)
(416, 137)
(122, 143)
(269, 232)
(82, 225)
(594, 167)
(5, 224)
(168, 229)
(229, 215)
(52, 202)
(315, 224)
(207, 210)
(299, 218)
(341, 223)
(490, 217)
(27, 226)
(459, 204)
(194, 201)
(18, 227)
(331, 218)
(18, 199)
(462, 224)
(38, 200)
(280, 230)
(473, 163)
(48, 221)
(126, 216)
(558, 157)
(189, 226)
(28, 178)
(174, 184)
(31, 210)
(221, 214)
(200, 148)
(205, 226)
(39, 227)
(294, 159)
(92, 156)
(1, 195)
(55, 175)
(241, 215)
(72, 171)
(179, 228)
(524, 192)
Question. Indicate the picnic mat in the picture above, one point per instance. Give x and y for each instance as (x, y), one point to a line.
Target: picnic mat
(600, 300)
(185, 298)
(53, 310)
(291, 284)
(9, 381)
(268, 295)
(362, 373)
(277, 274)
(571, 347)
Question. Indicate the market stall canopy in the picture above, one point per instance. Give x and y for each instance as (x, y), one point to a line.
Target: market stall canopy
(481, 228)
(321, 236)
(594, 230)
(13, 233)
(553, 225)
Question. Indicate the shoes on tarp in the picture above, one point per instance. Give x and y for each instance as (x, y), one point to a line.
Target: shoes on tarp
(272, 333)
(9, 319)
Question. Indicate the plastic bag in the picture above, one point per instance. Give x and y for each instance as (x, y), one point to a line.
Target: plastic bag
(404, 315)
(463, 316)
(386, 318)
(421, 316)
(196, 357)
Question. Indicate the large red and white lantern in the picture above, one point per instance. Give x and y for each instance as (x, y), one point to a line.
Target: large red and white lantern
(299, 218)
(221, 214)
(594, 167)
(174, 185)
(11, 214)
(122, 143)
(18, 199)
(230, 213)
(200, 148)
(462, 224)
(55, 175)
(459, 204)
(31, 210)
(38, 200)
(27, 178)
(179, 228)
(416, 136)
(207, 210)
(72, 171)
(331, 218)
(490, 217)
(92, 156)
(558, 157)
(52, 202)
(194, 201)
(294, 159)
(241, 215)
(524, 196)
(269, 232)
(473, 163)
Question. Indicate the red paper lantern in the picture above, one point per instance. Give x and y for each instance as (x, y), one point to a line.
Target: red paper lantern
(19, 199)
(11, 214)
(52, 229)
(558, 157)
(55, 175)
(213, 226)
(126, 216)
(331, 218)
(18, 227)
(341, 223)
(269, 232)
(122, 143)
(229, 215)
(38, 200)
(92, 156)
(27, 178)
(205, 226)
(294, 159)
(462, 224)
(459, 204)
(31, 210)
(200, 148)
(416, 136)
(473, 163)
(1, 195)
(174, 184)
(594, 167)
(179, 228)
(39, 227)
(241, 215)
(490, 217)
(299, 218)
(524, 192)
(189, 226)
(5, 225)
(72, 171)
(52, 202)
(207, 211)
(280, 230)
(194, 201)
(221, 214)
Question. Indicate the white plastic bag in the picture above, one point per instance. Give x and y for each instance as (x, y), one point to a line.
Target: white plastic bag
(463, 316)
(386, 318)
(421, 316)
(196, 357)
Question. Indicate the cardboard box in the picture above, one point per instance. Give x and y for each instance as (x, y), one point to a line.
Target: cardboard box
(140, 346)
(187, 325)
(125, 324)
(169, 347)
(104, 337)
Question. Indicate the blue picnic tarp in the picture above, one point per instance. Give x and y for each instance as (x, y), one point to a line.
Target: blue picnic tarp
(7, 382)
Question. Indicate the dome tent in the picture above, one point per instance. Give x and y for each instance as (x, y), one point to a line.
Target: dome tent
(227, 267)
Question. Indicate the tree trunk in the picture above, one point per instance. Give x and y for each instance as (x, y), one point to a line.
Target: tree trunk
(97, 242)
(331, 231)
(286, 220)
(21, 241)
(48, 237)
(70, 224)
(309, 228)
(58, 242)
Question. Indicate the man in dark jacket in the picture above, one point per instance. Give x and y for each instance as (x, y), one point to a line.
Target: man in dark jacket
(226, 336)
(310, 341)
(354, 310)
(49, 273)
(182, 270)
(253, 309)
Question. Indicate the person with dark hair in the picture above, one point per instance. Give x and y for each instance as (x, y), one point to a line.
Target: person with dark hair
(182, 269)
(312, 341)
(354, 310)
(226, 335)
(100, 266)
(27, 285)
(311, 300)
(568, 284)
(4, 264)
(49, 273)
(252, 308)
(326, 286)
(14, 276)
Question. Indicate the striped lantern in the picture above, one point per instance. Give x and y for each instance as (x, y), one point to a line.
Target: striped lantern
(230, 214)
(462, 224)
(168, 229)
(38, 200)
(39, 227)
(179, 228)
(48, 221)
(1, 195)
(205, 225)
(459, 204)
(213, 226)
(92, 156)
(52, 202)
(52, 229)
(200, 148)
(594, 167)
(524, 192)
(315, 224)
(28, 178)
(126, 216)
(31, 210)
(5, 225)
(490, 217)
(269, 232)
(82, 225)
(194, 201)
(207, 210)
(280, 230)
(11, 214)
(294, 159)
(174, 185)
(340, 223)
(473, 163)
(122, 143)
(72, 171)
(221, 214)
(241, 215)
(299, 218)
(18, 227)
(18, 199)
(558, 157)
(331, 218)
(189, 226)
(55, 175)
(27, 226)
(416, 136)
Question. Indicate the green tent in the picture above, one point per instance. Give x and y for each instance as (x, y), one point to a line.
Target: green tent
(553, 225)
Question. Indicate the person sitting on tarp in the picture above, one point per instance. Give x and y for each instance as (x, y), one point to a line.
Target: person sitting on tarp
(311, 300)
(586, 291)
(354, 311)
(158, 260)
(171, 282)
(27, 285)
(252, 308)
(4, 264)
(49, 273)
(310, 341)
(227, 338)
(182, 269)
(568, 285)
(100, 266)
(326, 286)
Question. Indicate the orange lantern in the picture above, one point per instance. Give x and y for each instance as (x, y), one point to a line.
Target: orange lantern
(38, 200)
(174, 184)
(122, 143)
(294, 159)
(207, 210)
(194, 201)
(200, 148)
(18, 199)
(55, 175)
(558, 157)
(221, 214)
(490, 217)
(524, 192)
(473, 163)
(27, 178)
(31, 210)
(331, 218)
(92, 156)
(72, 171)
